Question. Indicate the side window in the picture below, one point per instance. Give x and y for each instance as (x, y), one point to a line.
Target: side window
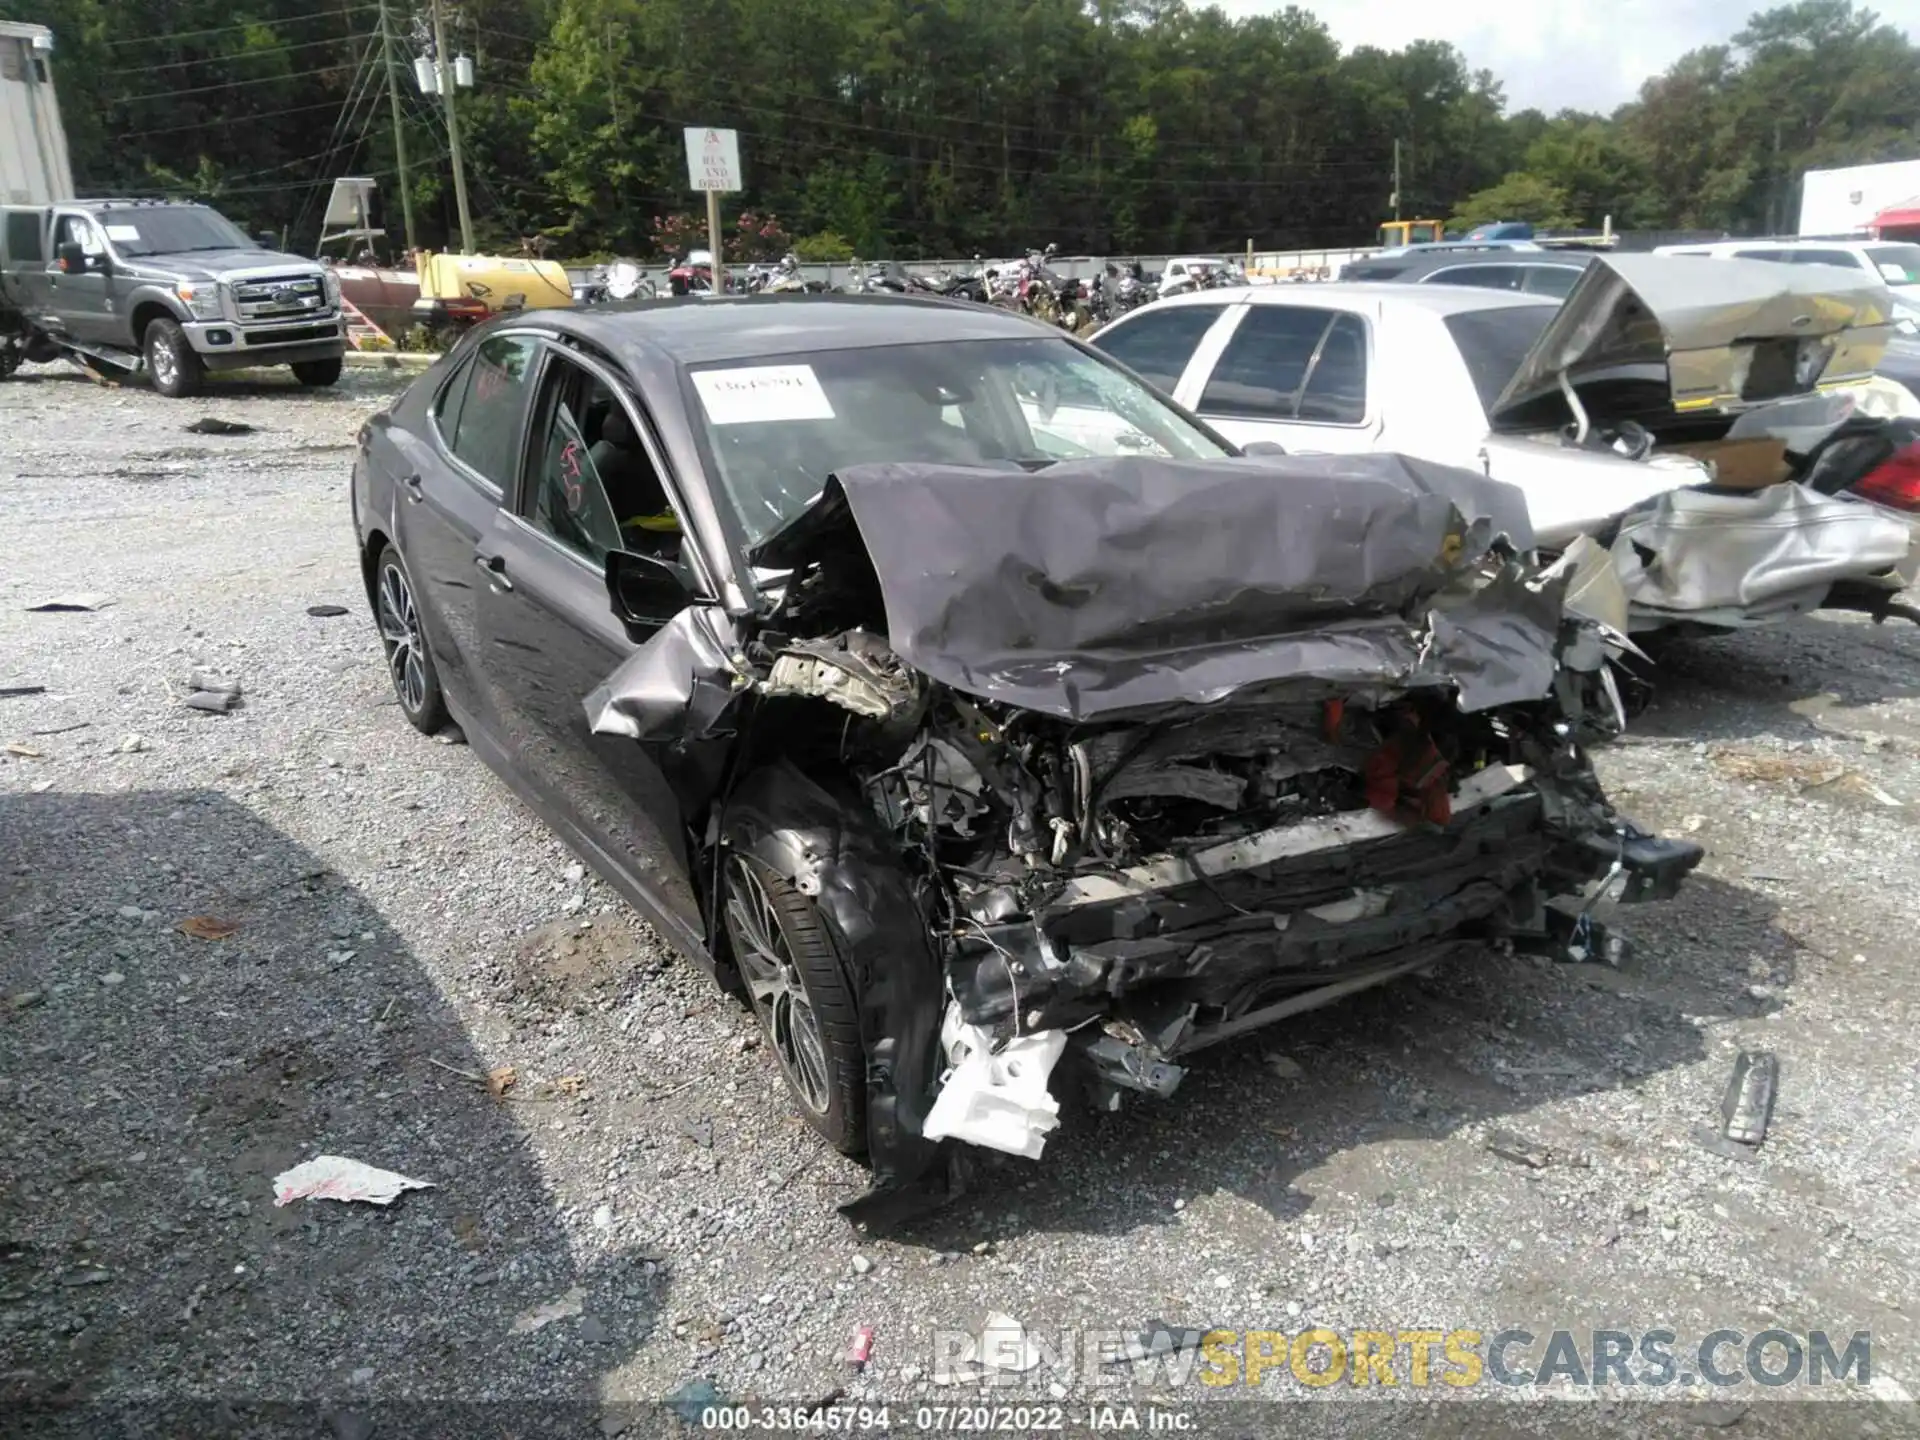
(23, 236)
(1336, 392)
(1157, 344)
(1261, 372)
(78, 230)
(1845, 259)
(1778, 257)
(499, 385)
(593, 487)
(1555, 280)
(1487, 277)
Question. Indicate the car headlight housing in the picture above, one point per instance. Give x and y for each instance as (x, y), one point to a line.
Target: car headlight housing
(202, 299)
(330, 287)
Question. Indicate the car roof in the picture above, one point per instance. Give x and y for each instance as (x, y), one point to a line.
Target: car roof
(1457, 260)
(1795, 242)
(1439, 299)
(694, 331)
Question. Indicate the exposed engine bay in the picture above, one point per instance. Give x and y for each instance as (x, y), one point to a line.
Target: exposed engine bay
(1230, 789)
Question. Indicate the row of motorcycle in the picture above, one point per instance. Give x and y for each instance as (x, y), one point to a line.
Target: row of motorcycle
(1030, 284)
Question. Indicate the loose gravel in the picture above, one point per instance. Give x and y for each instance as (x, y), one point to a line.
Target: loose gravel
(631, 1204)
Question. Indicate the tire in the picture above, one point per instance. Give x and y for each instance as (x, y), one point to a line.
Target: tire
(396, 611)
(799, 993)
(318, 373)
(171, 362)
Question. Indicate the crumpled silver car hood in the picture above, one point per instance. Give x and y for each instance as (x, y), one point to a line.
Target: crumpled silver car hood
(1705, 323)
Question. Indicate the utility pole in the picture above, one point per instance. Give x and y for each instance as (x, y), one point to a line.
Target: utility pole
(1396, 177)
(443, 73)
(399, 134)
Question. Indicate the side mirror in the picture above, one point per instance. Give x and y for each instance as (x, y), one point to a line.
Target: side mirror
(1263, 447)
(73, 260)
(647, 591)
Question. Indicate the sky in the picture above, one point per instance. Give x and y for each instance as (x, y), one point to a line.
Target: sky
(1553, 54)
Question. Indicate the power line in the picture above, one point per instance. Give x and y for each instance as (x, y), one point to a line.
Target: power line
(230, 84)
(220, 120)
(242, 25)
(223, 59)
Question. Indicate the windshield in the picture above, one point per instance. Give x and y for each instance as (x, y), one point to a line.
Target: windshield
(1897, 264)
(1494, 342)
(775, 430)
(171, 230)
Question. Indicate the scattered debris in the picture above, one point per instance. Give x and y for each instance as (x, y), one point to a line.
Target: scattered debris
(456, 1070)
(25, 1000)
(19, 692)
(25, 752)
(861, 1350)
(690, 1399)
(1003, 1345)
(1748, 1104)
(61, 604)
(1718, 1416)
(1285, 1067)
(326, 612)
(570, 1084)
(214, 425)
(208, 927)
(1521, 1151)
(132, 745)
(62, 729)
(86, 1277)
(501, 1079)
(541, 1316)
(216, 694)
(334, 1177)
(861, 1265)
(699, 1131)
(603, 1217)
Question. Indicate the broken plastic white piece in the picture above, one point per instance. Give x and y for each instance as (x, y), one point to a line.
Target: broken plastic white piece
(999, 1101)
(1003, 1344)
(334, 1177)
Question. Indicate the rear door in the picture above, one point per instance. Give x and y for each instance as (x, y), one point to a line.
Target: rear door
(549, 634)
(1293, 374)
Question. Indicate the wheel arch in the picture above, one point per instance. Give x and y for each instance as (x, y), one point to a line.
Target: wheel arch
(145, 312)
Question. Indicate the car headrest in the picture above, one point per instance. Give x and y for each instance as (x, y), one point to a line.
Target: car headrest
(617, 429)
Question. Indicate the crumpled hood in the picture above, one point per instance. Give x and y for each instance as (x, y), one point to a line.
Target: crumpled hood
(1720, 335)
(1099, 587)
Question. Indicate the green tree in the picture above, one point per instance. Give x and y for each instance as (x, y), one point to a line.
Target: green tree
(1519, 196)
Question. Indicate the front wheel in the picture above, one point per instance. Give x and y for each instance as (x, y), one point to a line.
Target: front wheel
(416, 684)
(799, 992)
(171, 361)
(317, 373)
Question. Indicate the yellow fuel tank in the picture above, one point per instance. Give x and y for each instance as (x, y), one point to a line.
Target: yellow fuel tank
(495, 281)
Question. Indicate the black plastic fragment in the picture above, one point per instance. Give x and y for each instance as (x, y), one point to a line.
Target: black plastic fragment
(1748, 1105)
(326, 612)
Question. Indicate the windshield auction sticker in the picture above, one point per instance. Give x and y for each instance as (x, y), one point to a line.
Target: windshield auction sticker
(762, 393)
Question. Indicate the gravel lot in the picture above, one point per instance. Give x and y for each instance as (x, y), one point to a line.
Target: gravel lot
(402, 919)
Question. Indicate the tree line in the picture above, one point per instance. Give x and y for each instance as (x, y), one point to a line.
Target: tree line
(947, 127)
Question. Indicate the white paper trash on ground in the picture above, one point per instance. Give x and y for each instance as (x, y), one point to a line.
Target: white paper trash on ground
(334, 1177)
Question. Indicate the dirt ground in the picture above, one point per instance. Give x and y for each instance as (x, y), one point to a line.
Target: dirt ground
(1504, 1145)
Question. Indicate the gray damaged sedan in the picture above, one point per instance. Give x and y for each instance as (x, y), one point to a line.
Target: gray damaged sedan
(974, 712)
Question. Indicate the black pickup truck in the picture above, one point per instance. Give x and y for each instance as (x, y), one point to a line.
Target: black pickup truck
(176, 289)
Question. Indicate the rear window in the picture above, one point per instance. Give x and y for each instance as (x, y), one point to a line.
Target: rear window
(23, 236)
(1897, 264)
(1494, 342)
(1157, 344)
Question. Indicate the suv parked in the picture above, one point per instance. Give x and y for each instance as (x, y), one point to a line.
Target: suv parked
(174, 287)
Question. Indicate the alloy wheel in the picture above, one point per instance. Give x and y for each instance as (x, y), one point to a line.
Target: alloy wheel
(166, 364)
(400, 633)
(773, 981)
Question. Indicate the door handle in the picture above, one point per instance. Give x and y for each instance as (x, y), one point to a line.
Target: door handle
(414, 492)
(496, 568)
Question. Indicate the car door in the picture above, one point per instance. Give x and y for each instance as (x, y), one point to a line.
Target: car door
(452, 488)
(77, 300)
(592, 481)
(1292, 374)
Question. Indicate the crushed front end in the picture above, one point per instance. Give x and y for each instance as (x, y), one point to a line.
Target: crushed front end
(1165, 753)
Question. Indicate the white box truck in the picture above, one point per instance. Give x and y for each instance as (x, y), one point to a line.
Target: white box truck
(1843, 202)
(34, 169)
